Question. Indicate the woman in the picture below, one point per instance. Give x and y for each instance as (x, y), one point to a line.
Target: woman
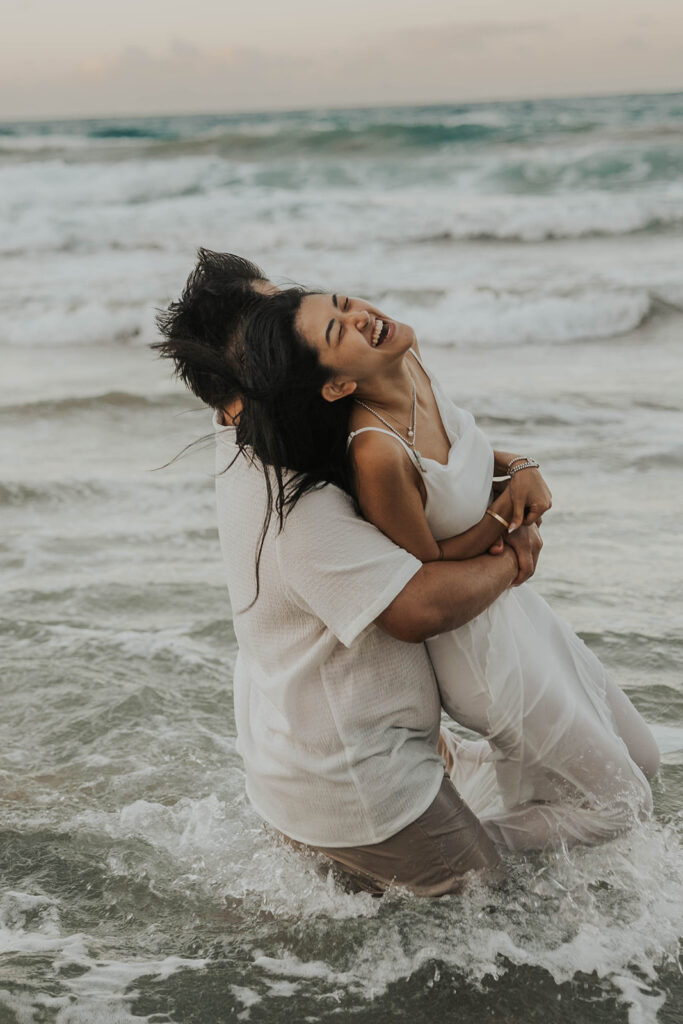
(338, 393)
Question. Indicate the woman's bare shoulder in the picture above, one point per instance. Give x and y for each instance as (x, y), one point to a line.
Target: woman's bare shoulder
(373, 450)
(369, 437)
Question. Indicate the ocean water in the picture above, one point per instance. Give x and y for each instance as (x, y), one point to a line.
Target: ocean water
(538, 250)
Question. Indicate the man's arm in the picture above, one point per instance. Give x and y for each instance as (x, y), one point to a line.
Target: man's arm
(348, 574)
(444, 595)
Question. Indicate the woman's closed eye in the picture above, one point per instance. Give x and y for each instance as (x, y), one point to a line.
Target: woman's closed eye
(344, 309)
(343, 306)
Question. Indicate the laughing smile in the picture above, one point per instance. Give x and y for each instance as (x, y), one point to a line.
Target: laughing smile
(380, 332)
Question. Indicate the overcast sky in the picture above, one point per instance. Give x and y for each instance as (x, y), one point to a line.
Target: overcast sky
(61, 58)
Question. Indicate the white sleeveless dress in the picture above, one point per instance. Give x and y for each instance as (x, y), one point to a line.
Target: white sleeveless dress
(553, 766)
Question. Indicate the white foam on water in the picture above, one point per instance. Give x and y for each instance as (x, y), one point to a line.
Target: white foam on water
(83, 185)
(482, 311)
(226, 859)
(155, 205)
(92, 323)
(643, 1005)
(173, 641)
(100, 993)
(483, 316)
(412, 216)
(246, 996)
(103, 992)
(614, 911)
(28, 922)
(282, 988)
(503, 297)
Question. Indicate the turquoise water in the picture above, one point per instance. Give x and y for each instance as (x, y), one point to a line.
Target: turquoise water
(537, 249)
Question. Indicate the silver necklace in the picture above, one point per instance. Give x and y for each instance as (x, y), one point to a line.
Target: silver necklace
(411, 431)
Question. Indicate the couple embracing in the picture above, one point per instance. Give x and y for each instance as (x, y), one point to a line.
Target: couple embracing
(377, 552)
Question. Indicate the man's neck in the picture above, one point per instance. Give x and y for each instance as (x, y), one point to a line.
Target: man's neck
(229, 415)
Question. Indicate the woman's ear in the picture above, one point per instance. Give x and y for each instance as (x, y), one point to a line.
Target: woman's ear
(338, 388)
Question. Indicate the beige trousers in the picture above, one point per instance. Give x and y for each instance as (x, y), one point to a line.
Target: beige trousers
(430, 857)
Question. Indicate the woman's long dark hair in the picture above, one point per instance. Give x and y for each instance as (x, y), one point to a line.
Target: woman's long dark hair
(297, 436)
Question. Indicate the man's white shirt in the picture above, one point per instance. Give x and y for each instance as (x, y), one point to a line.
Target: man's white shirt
(337, 722)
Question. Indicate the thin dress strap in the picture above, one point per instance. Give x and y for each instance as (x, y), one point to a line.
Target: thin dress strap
(380, 430)
(416, 357)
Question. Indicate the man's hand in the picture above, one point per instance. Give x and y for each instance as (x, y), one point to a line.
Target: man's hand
(527, 544)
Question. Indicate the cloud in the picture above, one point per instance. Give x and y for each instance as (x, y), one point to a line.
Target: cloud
(461, 35)
(452, 62)
(183, 79)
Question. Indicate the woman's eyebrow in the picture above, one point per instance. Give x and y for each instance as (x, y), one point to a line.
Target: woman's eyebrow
(329, 326)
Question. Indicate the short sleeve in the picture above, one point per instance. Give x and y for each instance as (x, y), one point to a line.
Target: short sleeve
(341, 567)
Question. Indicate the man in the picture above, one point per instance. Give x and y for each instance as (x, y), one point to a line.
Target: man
(336, 705)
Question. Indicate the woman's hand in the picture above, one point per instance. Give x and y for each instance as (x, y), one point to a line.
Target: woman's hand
(530, 496)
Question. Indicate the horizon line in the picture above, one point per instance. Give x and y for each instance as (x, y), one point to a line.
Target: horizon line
(245, 112)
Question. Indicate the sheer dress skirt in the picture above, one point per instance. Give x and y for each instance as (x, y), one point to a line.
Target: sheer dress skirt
(566, 754)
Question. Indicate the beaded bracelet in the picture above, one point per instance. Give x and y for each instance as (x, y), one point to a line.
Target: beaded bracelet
(528, 464)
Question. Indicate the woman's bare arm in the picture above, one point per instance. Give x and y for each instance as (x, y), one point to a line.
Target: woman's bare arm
(388, 490)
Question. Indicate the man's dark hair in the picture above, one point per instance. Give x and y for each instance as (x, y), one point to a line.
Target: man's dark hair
(203, 330)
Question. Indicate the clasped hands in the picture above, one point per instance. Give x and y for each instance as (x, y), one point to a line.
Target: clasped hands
(526, 542)
(530, 498)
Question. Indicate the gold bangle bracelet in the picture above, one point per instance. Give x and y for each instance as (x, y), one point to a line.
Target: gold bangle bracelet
(494, 515)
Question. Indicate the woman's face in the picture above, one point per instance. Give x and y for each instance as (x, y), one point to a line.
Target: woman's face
(352, 337)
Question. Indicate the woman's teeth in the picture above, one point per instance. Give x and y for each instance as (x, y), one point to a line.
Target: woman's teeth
(377, 330)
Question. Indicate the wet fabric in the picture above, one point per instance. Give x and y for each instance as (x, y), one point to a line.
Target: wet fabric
(337, 722)
(430, 857)
(564, 746)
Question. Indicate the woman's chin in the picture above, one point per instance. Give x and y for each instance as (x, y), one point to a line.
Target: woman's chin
(404, 338)
(401, 337)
